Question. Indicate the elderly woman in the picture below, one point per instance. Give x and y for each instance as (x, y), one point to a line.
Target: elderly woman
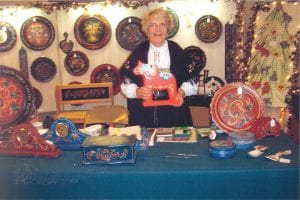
(166, 55)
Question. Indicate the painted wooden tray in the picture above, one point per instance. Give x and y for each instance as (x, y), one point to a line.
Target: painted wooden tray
(92, 32)
(16, 97)
(198, 57)
(208, 29)
(236, 106)
(76, 63)
(107, 73)
(129, 33)
(37, 33)
(8, 36)
(43, 69)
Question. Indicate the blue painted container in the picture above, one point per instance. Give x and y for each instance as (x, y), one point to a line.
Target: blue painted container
(242, 139)
(222, 148)
(109, 150)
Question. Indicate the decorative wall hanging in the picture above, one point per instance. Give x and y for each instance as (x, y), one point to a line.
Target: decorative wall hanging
(75, 82)
(65, 45)
(38, 98)
(212, 84)
(24, 140)
(129, 33)
(208, 29)
(43, 69)
(8, 36)
(175, 20)
(92, 32)
(23, 62)
(16, 97)
(37, 33)
(198, 57)
(76, 63)
(107, 73)
(64, 134)
(236, 106)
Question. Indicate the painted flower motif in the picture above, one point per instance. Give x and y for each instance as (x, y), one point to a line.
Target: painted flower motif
(256, 84)
(286, 18)
(265, 88)
(284, 44)
(280, 86)
(274, 77)
(267, 101)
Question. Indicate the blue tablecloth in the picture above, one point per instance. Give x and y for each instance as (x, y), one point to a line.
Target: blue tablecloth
(156, 176)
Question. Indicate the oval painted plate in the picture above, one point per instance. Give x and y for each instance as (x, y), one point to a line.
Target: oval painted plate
(129, 33)
(16, 99)
(208, 29)
(76, 63)
(37, 33)
(198, 57)
(8, 36)
(92, 32)
(43, 69)
(38, 98)
(107, 73)
(212, 84)
(175, 20)
(235, 107)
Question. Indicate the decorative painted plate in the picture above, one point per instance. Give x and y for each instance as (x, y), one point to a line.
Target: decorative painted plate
(76, 63)
(175, 20)
(198, 57)
(235, 107)
(8, 36)
(129, 33)
(107, 73)
(92, 32)
(43, 69)
(208, 29)
(38, 98)
(16, 99)
(37, 33)
(212, 84)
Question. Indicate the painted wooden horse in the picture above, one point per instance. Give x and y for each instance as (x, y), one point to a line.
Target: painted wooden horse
(162, 84)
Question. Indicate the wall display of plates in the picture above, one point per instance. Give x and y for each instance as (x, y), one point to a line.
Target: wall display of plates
(76, 63)
(37, 33)
(175, 20)
(43, 69)
(198, 57)
(92, 32)
(212, 84)
(107, 73)
(208, 29)
(236, 106)
(129, 33)
(16, 99)
(8, 36)
(38, 98)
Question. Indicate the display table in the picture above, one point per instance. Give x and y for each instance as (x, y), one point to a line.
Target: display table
(156, 176)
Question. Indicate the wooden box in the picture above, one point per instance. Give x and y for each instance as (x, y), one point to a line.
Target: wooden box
(200, 116)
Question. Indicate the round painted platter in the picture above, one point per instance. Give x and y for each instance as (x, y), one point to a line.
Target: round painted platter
(107, 73)
(38, 98)
(37, 33)
(175, 20)
(8, 36)
(76, 63)
(212, 84)
(92, 32)
(208, 29)
(16, 99)
(198, 57)
(235, 107)
(43, 69)
(129, 33)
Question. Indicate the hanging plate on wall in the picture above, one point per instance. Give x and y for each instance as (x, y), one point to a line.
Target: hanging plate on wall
(212, 84)
(37, 33)
(38, 98)
(198, 57)
(175, 20)
(92, 32)
(8, 36)
(129, 33)
(208, 29)
(16, 99)
(43, 69)
(107, 73)
(76, 63)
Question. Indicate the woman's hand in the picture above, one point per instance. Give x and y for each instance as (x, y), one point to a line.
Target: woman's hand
(180, 96)
(143, 93)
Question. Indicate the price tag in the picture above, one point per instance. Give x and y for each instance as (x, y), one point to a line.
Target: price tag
(240, 90)
(272, 122)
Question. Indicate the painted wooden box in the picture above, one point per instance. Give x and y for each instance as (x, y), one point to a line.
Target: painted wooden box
(109, 149)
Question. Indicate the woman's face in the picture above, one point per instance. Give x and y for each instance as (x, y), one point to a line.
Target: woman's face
(158, 30)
